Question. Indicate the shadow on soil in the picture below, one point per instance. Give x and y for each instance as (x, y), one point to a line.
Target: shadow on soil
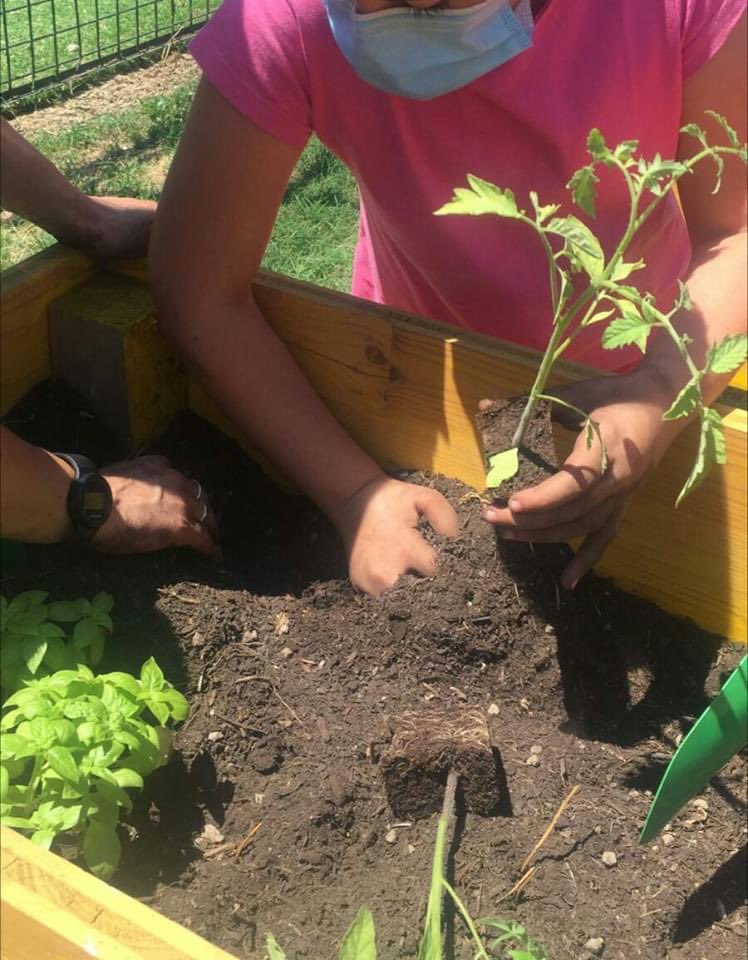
(714, 900)
(618, 690)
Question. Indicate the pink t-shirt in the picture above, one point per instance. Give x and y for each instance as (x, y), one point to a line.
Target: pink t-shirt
(616, 64)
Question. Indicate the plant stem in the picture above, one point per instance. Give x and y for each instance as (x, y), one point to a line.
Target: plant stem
(433, 931)
(467, 918)
(540, 380)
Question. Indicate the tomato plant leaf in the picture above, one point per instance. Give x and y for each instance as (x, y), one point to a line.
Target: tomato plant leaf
(582, 186)
(481, 198)
(728, 354)
(686, 402)
(712, 449)
(627, 329)
(502, 466)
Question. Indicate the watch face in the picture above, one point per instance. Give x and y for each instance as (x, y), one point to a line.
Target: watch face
(96, 500)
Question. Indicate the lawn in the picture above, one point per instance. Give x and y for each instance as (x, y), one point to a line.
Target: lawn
(128, 154)
(46, 37)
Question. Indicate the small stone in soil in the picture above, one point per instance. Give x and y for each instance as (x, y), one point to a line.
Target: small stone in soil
(667, 839)
(391, 836)
(609, 858)
(536, 748)
(493, 710)
(533, 760)
(215, 735)
(595, 945)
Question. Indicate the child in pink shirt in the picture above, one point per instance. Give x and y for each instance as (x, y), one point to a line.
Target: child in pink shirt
(411, 110)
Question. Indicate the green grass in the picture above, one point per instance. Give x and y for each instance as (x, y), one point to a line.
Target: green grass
(128, 154)
(47, 37)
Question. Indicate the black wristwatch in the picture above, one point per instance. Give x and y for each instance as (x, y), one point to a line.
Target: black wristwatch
(89, 498)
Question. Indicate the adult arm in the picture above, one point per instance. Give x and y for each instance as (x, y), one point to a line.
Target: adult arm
(154, 506)
(215, 216)
(578, 501)
(32, 187)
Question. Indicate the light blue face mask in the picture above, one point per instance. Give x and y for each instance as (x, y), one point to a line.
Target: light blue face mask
(423, 55)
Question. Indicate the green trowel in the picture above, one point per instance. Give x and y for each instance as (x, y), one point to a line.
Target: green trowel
(719, 733)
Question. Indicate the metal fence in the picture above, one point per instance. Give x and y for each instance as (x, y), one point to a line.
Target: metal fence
(45, 42)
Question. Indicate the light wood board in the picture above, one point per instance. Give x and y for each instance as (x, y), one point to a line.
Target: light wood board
(53, 910)
(26, 291)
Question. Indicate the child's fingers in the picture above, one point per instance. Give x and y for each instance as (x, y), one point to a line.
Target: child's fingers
(439, 513)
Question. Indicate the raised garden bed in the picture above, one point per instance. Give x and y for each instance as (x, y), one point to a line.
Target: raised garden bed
(294, 681)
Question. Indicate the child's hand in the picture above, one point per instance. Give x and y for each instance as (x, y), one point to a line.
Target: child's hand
(379, 527)
(579, 501)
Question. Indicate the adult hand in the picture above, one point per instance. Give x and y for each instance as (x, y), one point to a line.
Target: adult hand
(155, 507)
(579, 500)
(379, 525)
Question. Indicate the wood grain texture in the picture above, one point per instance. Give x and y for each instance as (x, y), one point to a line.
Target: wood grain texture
(27, 290)
(53, 910)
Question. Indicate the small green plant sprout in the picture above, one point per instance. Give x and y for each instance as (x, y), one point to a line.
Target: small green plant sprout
(359, 942)
(33, 643)
(626, 315)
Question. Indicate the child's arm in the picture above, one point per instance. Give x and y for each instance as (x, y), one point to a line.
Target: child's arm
(216, 213)
(577, 501)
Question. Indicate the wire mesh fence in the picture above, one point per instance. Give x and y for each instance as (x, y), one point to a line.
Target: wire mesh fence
(44, 42)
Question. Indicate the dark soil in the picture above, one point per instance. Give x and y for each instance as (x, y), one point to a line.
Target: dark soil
(297, 683)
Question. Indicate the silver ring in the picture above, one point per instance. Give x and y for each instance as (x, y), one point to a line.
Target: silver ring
(198, 490)
(204, 515)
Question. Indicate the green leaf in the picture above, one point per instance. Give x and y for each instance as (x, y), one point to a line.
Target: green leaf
(542, 212)
(596, 145)
(359, 942)
(582, 186)
(629, 328)
(712, 449)
(178, 705)
(96, 650)
(481, 198)
(43, 838)
(151, 675)
(625, 150)
(27, 599)
(159, 710)
(582, 246)
(63, 611)
(728, 354)
(33, 650)
(86, 632)
(101, 849)
(128, 778)
(623, 270)
(274, 952)
(597, 317)
(125, 681)
(502, 466)
(686, 402)
(732, 135)
(61, 761)
(4, 783)
(103, 603)
(13, 746)
(18, 823)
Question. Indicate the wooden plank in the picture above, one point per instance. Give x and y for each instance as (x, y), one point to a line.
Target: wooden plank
(53, 910)
(103, 342)
(27, 290)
